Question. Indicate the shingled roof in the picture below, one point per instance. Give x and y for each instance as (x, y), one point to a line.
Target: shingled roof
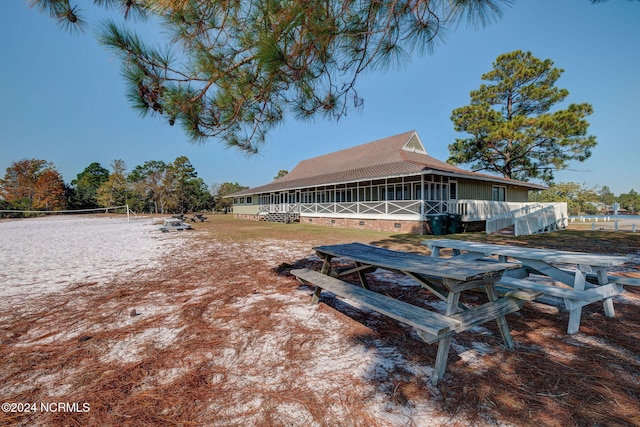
(394, 156)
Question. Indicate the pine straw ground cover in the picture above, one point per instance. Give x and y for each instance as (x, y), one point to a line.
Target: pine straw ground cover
(222, 335)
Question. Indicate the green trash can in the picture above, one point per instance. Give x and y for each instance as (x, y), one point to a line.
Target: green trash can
(454, 220)
(438, 224)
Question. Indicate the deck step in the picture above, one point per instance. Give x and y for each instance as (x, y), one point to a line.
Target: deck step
(283, 217)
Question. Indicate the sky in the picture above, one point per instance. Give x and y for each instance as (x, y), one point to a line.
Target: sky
(64, 101)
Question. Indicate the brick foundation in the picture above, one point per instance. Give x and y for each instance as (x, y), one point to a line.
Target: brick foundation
(410, 227)
(388, 225)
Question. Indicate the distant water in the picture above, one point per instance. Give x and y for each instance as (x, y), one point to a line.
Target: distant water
(606, 217)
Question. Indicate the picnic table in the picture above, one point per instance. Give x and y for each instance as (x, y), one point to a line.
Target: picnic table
(198, 217)
(585, 282)
(444, 278)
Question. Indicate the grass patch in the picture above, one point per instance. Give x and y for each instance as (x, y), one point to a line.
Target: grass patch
(575, 238)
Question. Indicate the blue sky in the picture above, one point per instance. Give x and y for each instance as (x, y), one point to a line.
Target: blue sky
(63, 98)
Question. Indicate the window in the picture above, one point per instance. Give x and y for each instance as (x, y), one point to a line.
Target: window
(453, 190)
(498, 194)
(390, 192)
(375, 194)
(445, 191)
(308, 196)
(344, 195)
(417, 191)
(249, 200)
(437, 191)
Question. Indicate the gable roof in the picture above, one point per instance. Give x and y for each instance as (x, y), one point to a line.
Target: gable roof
(394, 156)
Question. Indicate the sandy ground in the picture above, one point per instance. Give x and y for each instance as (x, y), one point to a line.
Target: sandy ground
(45, 255)
(132, 327)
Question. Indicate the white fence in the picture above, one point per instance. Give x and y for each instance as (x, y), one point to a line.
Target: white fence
(481, 210)
(530, 219)
(541, 220)
(391, 207)
(508, 219)
(471, 210)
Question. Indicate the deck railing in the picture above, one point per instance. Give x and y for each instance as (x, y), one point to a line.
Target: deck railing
(530, 219)
(508, 219)
(497, 214)
(550, 217)
(481, 210)
(390, 207)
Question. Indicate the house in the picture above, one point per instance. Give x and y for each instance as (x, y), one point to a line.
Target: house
(389, 184)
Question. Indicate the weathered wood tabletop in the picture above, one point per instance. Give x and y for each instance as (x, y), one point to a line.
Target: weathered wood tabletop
(588, 278)
(519, 252)
(453, 276)
(412, 262)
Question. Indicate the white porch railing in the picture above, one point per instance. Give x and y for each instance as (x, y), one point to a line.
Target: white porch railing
(372, 208)
(390, 207)
(481, 210)
(535, 221)
(551, 217)
(498, 215)
(530, 219)
(508, 219)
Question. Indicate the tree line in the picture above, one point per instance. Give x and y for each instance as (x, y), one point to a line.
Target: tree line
(591, 201)
(153, 187)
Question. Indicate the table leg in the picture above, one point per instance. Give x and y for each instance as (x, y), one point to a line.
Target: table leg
(326, 264)
(609, 311)
(579, 283)
(490, 289)
(441, 359)
(445, 343)
(315, 298)
(362, 277)
(326, 267)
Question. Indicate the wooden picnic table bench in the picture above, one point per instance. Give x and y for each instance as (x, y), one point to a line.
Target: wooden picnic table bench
(198, 217)
(586, 283)
(454, 277)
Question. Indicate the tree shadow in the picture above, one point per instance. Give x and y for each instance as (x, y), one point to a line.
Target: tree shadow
(549, 379)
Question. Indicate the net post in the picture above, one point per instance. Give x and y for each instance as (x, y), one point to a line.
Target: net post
(127, 212)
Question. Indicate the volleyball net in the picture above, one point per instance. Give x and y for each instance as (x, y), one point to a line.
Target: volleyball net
(31, 213)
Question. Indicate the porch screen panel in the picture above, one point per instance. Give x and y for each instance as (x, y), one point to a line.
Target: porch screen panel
(453, 190)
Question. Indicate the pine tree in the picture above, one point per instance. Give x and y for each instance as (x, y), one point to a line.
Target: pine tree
(85, 186)
(238, 69)
(514, 131)
(147, 183)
